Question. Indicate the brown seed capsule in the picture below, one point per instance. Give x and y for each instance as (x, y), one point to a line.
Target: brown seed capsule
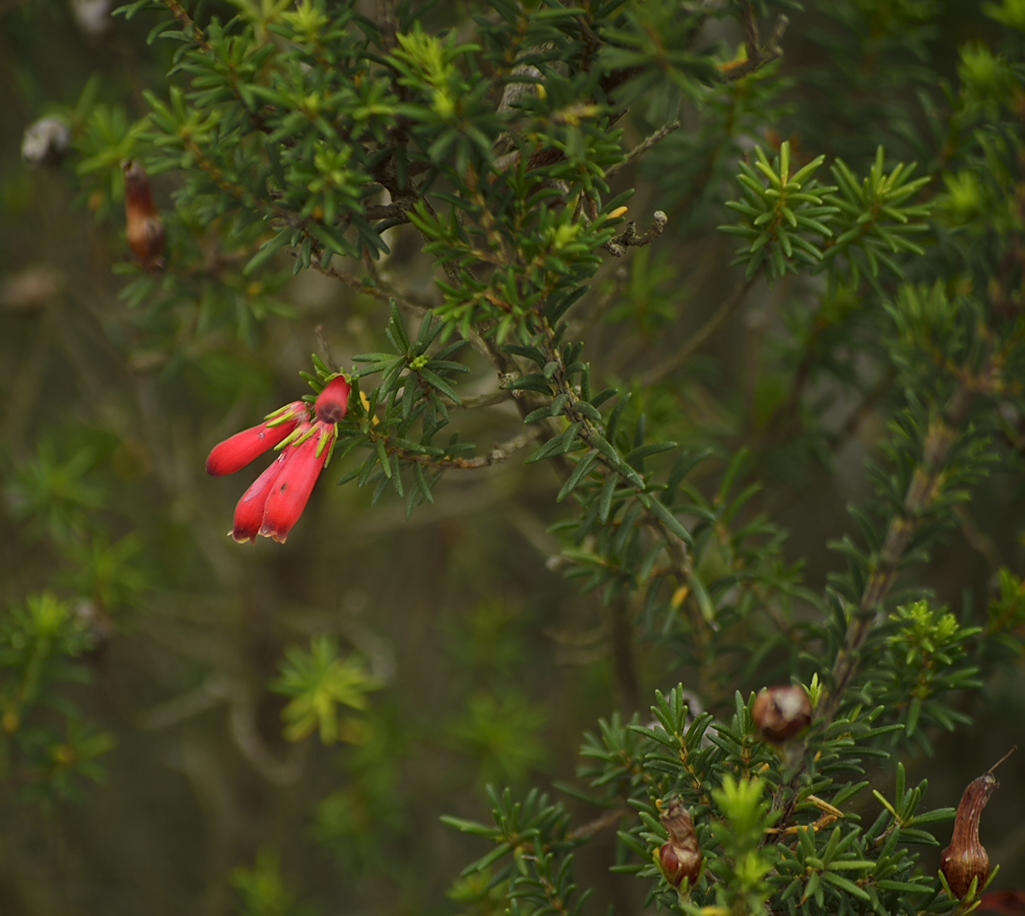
(143, 226)
(781, 712)
(966, 859)
(681, 857)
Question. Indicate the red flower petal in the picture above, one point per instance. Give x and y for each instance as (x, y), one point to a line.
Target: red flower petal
(243, 448)
(249, 511)
(333, 402)
(294, 485)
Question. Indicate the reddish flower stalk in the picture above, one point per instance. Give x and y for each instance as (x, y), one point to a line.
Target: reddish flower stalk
(304, 460)
(245, 447)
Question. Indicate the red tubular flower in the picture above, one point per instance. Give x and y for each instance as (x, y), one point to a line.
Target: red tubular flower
(333, 402)
(243, 448)
(291, 489)
(249, 511)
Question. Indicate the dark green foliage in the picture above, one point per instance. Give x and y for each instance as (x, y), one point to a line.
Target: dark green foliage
(465, 171)
(48, 747)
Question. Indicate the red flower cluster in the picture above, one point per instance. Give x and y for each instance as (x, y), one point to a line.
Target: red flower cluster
(272, 506)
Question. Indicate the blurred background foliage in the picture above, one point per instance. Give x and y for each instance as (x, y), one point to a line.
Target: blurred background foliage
(158, 755)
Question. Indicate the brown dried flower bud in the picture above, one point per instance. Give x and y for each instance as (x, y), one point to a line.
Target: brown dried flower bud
(781, 712)
(143, 225)
(681, 857)
(965, 859)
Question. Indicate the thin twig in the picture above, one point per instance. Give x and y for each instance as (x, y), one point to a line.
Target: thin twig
(1002, 760)
(325, 347)
(593, 436)
(630, 237)
(187, 22)
(857, 416)
(488, 399)
(498, 454)
(758, 54)
(647, 143)
(976, 538)
(388, 21)
(381, 290)
(600, 823)
(623, 653)
(924, 489)
(669, 365)
(396, 212)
